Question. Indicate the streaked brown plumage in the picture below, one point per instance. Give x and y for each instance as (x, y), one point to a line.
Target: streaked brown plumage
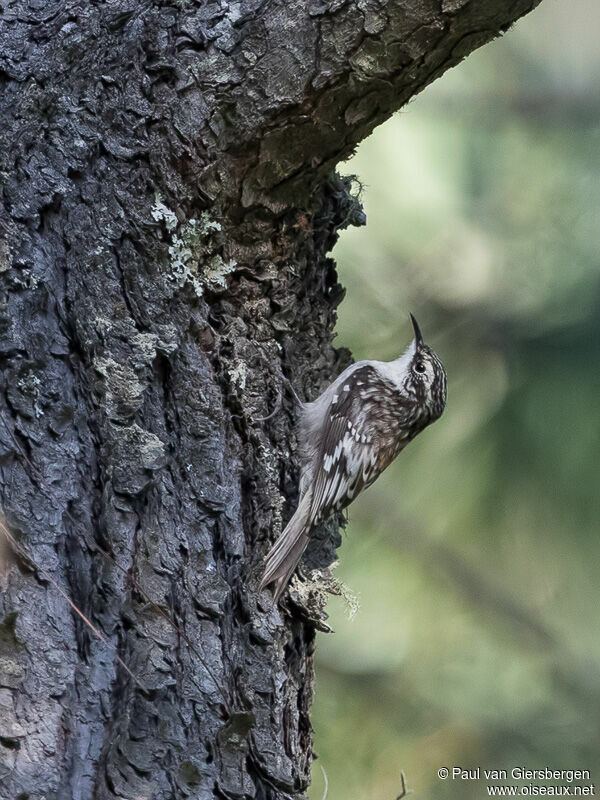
(350, 434)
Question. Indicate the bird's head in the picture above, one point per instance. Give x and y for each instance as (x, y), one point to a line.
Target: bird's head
(426, 377)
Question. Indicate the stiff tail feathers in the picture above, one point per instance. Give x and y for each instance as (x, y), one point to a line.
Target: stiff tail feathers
(285, 554)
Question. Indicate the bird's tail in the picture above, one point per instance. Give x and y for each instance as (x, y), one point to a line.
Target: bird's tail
(285, 554)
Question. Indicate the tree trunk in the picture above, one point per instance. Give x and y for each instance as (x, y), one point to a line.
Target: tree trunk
(168, 205)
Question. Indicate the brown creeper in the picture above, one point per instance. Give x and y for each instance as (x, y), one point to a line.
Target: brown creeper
(350, 434)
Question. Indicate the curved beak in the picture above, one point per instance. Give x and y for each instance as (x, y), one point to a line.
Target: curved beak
(418, 334)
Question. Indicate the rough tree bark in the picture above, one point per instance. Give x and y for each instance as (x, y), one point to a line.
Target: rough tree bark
(168, 205)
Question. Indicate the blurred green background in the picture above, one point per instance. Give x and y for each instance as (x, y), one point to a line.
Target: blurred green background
(476, 557)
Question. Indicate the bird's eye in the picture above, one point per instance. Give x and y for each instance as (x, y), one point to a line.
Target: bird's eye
(419, 366)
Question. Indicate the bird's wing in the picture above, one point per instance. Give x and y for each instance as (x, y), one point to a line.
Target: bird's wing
(349, 457)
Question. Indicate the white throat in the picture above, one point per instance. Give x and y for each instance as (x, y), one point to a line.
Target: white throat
(398, 369)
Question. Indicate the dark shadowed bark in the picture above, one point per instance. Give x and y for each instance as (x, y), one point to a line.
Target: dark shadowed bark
(167, 209)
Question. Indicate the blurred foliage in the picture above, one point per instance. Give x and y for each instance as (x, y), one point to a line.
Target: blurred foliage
(475, 557)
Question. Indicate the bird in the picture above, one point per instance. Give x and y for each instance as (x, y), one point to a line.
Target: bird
(349, 435)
